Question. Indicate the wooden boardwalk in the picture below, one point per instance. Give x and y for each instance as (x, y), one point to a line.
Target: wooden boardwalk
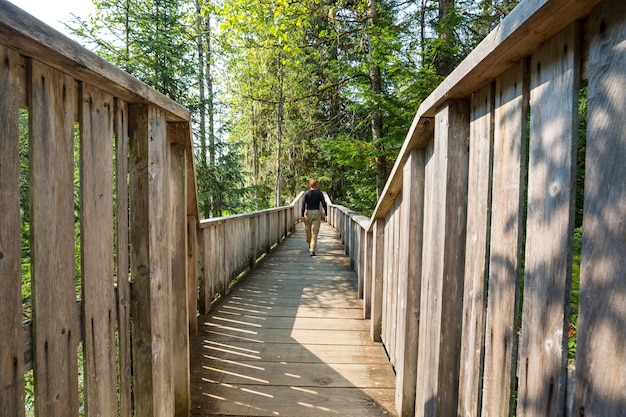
(290, 341)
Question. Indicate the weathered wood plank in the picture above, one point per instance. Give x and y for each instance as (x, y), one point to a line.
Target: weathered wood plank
(409, 282)
(150, 262)
(260, 400)
(600, 357)
(290, 352)
(303, 374)
(476, 244)
(11, 342)
(505, 261)
(442, 274)
(378, 240)
(178, 256)
(96, 117)
(122, 256)
(192, 274)
(56, 331)
(554, 77)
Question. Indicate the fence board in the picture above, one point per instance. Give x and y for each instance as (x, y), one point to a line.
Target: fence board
(600, 358)
(409, 283)
(150, 263)
(56, 331)
(123, 272)
(378, 247)
(554, 72)
(444, 236)
(96, 117)
(476, 267)
(506, 241)
(11, 342)
(178, 256)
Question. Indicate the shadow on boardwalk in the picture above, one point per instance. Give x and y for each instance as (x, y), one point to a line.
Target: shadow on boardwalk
(290, 341)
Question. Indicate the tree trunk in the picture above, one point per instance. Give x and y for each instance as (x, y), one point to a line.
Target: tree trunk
(201, 81)
(375, 112)
(279, 133)
(445, 61)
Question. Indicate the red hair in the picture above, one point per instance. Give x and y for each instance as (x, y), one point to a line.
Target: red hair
(313, 184)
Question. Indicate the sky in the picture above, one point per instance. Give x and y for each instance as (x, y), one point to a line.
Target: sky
(53, 13)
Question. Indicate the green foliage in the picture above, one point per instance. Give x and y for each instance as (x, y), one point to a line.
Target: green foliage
(293, 81)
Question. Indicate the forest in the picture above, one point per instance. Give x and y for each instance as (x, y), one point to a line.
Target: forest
(282, 91)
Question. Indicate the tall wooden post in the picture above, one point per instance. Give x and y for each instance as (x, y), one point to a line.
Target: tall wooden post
(378, 251)
(150, 262)
(409, 281)
(445, 206)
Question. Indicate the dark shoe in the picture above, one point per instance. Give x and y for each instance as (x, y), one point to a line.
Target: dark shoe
(312, 253)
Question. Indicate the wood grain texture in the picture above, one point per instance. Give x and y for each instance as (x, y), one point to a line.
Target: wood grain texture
(409, 282)
(476, 267)
(292, 344)
(122, 256)
(56, 331)
(11, 342)
(600, 355)
(150, 262)
(444, 259)
(378, 239)
(96, 118)
(554, 78)
(178, 258)
(505, 263)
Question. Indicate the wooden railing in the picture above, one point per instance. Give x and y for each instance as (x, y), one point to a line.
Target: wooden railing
(108, 165)
(466, 263)
(465, 266)
(232, 245)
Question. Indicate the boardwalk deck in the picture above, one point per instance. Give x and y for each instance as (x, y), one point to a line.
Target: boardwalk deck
(290, 341)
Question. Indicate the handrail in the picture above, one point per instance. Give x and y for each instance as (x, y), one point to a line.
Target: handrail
(469, 250)
(465, 266)
(233, 244)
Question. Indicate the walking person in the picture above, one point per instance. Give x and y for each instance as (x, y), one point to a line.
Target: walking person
(312, 215)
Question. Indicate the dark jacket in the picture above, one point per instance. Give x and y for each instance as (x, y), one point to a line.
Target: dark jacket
(312, 201)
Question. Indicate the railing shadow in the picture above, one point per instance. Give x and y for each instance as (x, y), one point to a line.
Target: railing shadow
(290, 340)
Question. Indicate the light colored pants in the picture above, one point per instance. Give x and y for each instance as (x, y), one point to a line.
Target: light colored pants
(312, 227)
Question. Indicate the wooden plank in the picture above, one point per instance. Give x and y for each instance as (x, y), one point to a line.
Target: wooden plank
(409, 282)
(554, 72)
(192, 274)
(260, 400)
(392, 342)
(150, 263)
(476, 244)
(304, 374)
(368, 274)
(600, 359)
(123, 267)
(505, 262)
(378, 240)
(178, 256)
(96, 117)
(289, 352)
(11, 342)
(441, 304)
(56, 331)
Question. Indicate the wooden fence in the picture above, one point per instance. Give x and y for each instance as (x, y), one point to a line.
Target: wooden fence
(465, 266)
(231, 245)
(115, 248)
(466, 263)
